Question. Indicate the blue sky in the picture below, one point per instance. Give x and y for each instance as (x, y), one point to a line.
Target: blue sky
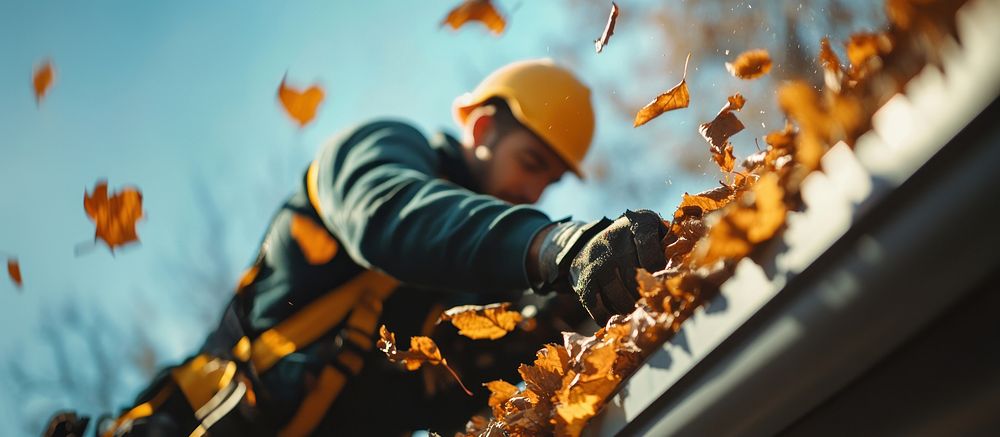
(178, 99)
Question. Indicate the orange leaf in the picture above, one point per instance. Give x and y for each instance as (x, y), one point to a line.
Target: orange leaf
(42, 80)
(115, 216)
(609, 29)
(300, 105)
(545, 376)
(705, 202)
(316, 243)
(675, 98)
(14, 270)
(750, 64)
(735, 102)
(582, 396)
(574, 409)
(483, 322)
(743, 226)
(422, 351)
(863, 47)
(500, 392)
(649, 289)
(769, 209)
(718, 131)
(482, 11)
(781, 139)
(833, 73)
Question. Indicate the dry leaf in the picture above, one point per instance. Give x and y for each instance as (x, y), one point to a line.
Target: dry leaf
(300, 105)
(675, 98)
(702, 203)
(609, 29)
(582, 393)
(783, 139)
(482, 11)
(833, 73)
(422, 351)
(545, 376)
(316, 243)
(483, 322)
(718, 131)
(500, 392)
(750, 64)
(735, 102)
(115, 216)
(742, 226)
(862, 48)
(14, 270)
(769, 210)
(802, 105)
(42, 80)
(574, 409)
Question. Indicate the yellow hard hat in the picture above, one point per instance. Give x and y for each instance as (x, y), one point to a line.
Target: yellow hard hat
(545, 98)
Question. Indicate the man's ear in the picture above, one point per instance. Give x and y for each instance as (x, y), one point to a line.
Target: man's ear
(481, 125)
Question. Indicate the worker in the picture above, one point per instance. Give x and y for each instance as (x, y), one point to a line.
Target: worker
(387, 219)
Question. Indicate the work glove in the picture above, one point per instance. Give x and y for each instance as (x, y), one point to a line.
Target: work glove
(598, 260)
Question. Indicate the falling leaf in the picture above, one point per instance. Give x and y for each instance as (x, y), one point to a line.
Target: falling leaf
(115, 216)
(316, 243)
(675, 98)
(704, 202)
(422, 351)
(42, 80)
(609, 29)
(718, 131)
(750, 64)
(482, 11)
(300, 105)
(14, 270)
(735, 102)
(833, 73)
(863, 47)
(483, 322)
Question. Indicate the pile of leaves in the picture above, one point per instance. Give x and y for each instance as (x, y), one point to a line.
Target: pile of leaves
(711, 231)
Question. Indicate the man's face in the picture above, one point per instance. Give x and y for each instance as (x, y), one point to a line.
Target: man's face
(520, 168)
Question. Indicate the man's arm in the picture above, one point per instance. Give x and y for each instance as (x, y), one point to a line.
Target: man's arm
(379, 194)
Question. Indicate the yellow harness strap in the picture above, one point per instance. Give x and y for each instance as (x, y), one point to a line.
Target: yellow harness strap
(317, 318)
(202, 377)
(144, 409)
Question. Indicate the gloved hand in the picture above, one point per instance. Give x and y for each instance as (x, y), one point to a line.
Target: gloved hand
(599, 260)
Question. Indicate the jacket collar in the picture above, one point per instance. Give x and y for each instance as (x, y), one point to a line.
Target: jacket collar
(453, 165)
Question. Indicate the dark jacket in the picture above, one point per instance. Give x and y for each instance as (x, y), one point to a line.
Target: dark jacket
(392, 201)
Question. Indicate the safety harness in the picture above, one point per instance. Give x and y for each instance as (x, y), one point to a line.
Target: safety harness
(216, 388)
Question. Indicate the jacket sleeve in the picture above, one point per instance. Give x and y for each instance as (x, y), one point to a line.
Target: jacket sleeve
(377, 191)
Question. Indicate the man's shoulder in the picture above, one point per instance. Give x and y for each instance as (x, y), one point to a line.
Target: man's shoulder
(380, 139)
(379, 129)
